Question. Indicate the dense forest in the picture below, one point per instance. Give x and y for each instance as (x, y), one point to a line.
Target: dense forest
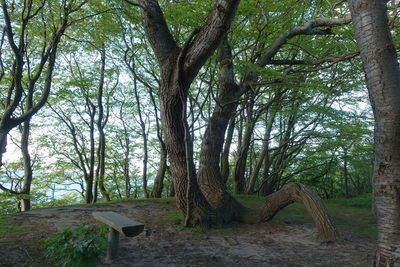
(202, 100)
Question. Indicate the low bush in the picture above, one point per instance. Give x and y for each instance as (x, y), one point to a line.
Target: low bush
(77, 247)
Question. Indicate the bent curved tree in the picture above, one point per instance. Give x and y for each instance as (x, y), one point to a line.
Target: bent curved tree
(202, 196)
(383, 81)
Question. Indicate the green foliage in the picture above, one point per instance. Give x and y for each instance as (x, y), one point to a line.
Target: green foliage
(8, 203)
(80, 246)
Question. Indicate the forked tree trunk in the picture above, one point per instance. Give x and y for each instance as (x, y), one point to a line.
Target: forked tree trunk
(207, 200)
(383, 81)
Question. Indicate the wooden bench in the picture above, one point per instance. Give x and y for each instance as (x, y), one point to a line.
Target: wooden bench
(118, 224)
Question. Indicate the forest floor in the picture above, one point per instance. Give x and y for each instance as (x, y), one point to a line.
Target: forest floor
(288, 240)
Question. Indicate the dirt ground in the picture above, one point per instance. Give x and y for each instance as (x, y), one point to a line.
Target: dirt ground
(163, 243)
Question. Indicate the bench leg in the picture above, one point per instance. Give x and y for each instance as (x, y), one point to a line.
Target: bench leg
(113, 238)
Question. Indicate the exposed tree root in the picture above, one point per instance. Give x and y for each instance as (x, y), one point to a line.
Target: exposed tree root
(294, 193)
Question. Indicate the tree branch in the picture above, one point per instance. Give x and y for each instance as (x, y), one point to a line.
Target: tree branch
(157, 30)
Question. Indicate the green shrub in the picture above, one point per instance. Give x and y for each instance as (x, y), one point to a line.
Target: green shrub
(80, 246)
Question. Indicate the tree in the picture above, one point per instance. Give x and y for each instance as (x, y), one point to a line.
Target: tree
(382, 73)
(202, 201)
(27, 63)
(26, 71)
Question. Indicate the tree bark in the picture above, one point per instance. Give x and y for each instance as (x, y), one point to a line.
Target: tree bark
(206, 200)
(25, 202)
(101, 123)
(382, 73)
(295, 193)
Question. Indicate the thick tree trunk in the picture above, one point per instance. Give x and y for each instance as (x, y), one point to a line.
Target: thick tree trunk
(383, 81)
(178, 69)
(189, 198)
(3, 144)
(295, 193)
(88, 190)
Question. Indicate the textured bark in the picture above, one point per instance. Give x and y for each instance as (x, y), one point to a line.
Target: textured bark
(178, 68)
(296, 193)
(383, 81)
(204, 200)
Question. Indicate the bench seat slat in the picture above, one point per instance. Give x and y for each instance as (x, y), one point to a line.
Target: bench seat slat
(122, 224)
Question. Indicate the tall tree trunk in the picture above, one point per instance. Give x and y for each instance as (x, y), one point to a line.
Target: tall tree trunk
(25, 203)
(383, 81)
(178, 69)
(271, 184)
(144, 136)
(159, 180)
(225, 153)
(345, 174)
(126, 167)
(101, 123)
(92, 195)
(264, 152)
(243, 151)
(162, 165)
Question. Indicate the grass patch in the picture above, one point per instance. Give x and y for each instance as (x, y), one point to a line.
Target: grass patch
(250, 201)
(174, 217)
(7, 227)
(349, 214)
(363, 201)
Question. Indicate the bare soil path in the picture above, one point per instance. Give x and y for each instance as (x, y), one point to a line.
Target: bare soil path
(164, 243)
